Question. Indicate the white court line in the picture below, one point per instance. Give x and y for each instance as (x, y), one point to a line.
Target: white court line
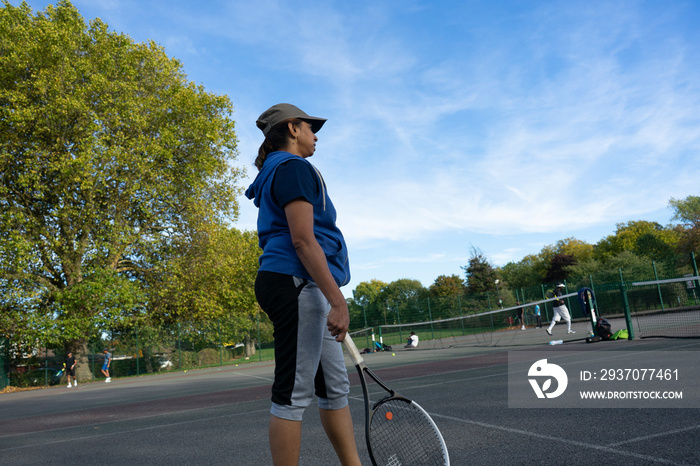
(660, 434)
(602, 448)
(267, 379)
(610, 448)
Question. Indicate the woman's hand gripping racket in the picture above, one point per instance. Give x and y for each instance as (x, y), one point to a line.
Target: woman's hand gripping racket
(397, 430)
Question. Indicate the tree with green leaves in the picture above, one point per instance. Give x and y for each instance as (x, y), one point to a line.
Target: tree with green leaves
(210, 283)
(403, 297)
(687, 213)
(109, 158)
(557, 270)
(481, 275)
(365, 309)
(631, 264)
(444, 285)
(577, 249)
(641, 237)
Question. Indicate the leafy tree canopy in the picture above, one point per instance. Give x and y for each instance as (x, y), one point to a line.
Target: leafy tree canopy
(109, 157)
(557, 270)
(447, 286)
(403, 289)
(687, 212)
(577, 249)
(527, 272)
(640, 237)
(366, 293)
(481, 276)
(628, 262)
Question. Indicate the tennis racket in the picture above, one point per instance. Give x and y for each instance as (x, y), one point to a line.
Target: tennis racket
(549, 294)
(397, 430)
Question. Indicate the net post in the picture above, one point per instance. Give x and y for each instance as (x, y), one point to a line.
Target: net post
(586, 299)
(626, 307)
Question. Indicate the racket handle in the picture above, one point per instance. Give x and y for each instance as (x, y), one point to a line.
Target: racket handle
(352, 350)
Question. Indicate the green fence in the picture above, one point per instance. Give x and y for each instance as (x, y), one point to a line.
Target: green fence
(668, 308)
(144, 350)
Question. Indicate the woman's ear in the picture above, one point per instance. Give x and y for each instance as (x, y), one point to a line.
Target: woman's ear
(292, 129)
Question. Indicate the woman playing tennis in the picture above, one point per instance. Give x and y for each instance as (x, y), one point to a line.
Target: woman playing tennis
(303, 264)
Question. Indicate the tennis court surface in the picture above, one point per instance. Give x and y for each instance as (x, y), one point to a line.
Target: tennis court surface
(219, 416)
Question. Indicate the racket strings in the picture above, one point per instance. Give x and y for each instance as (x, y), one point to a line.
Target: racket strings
(402, 433)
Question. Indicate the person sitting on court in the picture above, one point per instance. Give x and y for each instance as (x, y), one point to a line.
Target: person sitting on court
(560, 311)
(412, 341)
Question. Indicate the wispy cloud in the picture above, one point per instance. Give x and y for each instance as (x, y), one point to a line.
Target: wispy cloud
(498, 124)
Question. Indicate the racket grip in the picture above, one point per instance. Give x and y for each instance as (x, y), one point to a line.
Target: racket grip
(352, 350)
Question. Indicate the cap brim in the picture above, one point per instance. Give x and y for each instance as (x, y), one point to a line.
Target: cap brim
(316, 123)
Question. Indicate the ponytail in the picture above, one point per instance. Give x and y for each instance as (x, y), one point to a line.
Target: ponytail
(277, 139)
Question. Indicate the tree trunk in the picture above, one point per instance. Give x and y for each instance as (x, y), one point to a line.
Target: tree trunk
(83, 367)
(148, 356)
(249, 346)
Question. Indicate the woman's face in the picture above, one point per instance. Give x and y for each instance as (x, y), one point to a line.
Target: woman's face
(305, 140)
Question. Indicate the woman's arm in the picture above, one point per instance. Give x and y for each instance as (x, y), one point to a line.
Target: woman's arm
(300, 218)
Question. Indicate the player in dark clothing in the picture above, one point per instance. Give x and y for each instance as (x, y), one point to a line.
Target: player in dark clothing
(69, 364)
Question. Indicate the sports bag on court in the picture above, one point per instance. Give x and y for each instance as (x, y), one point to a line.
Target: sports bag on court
(604, 329)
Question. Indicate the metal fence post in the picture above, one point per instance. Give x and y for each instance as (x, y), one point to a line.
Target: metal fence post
(257, 317)
(138, 353)
(179, 348)
(430, 315)
(626, 307)
(4, 362)
(221, 346)
(696, 289)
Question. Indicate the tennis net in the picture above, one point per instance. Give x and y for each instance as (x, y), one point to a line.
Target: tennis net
(500, 327)
(665, 308)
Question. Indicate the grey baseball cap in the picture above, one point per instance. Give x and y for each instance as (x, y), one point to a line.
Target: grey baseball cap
(280, 112)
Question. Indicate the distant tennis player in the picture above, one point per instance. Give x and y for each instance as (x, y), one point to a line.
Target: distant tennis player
(106, 363)
(538, 315)
(69, 365)
(560, 311)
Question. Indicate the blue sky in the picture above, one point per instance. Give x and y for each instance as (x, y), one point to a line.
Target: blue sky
(502, 125)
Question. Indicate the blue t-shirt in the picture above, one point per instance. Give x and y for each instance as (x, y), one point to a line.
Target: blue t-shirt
(294, 180)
